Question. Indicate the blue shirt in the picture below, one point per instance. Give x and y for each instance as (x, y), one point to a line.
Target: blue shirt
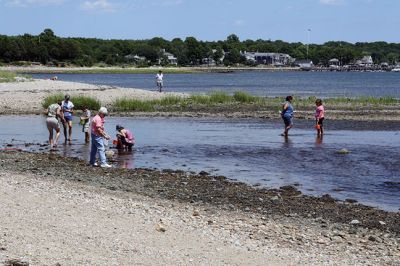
(289, 111)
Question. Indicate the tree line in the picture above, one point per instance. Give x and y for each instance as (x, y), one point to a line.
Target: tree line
(47, 48)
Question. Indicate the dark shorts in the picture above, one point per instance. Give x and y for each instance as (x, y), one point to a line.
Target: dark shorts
(287, 120)
(321, 122)
(68, 118)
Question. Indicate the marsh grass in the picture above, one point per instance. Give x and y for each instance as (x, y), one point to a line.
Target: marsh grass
(79, 101)
(6, 76)
(239, 98)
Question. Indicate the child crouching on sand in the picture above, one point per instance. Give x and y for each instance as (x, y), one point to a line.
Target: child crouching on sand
(319, 117)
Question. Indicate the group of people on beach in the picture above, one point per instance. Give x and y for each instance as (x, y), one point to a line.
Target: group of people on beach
(62, 113)
(287, 114)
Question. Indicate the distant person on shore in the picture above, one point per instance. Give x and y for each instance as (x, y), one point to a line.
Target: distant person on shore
(125, 138)
(85, 122)
(98, 136)
(287, 115)
(319, 117)
(54, 115)
(67, 109)
(159, 81)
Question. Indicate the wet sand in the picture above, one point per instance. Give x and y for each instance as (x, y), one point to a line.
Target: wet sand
(59, 210)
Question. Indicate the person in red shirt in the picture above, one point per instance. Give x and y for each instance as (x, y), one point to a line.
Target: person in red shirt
(98, 136)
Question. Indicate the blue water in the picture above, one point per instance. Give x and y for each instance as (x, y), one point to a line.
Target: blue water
(249, 151)
(261, 83)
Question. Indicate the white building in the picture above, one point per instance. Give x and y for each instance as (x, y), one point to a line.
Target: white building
(277, 59)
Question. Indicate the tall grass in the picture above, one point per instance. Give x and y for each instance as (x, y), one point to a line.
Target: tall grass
(6, 76)
(242, 98)
(78, 101)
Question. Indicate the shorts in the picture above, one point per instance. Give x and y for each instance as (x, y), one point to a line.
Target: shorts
(287, 120)
(52, 123)
(159, 84)
(321, 122)
(85, 128)
(68, 118)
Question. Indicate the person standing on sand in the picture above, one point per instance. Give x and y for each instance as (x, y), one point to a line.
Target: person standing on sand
(68, 109)
(287, 115)
(319, 117)
(98, 136)
(54, 114)
(159, 80)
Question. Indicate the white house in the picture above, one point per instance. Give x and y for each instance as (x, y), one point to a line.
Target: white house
(277, 59)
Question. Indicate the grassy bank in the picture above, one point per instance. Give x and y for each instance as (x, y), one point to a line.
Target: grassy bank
(79, 101)
(6, 76)
(223, 102)
(246, 101)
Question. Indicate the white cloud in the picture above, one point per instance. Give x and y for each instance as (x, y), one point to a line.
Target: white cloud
(26, 3)
(171, 2)
(331, 2)
(98, 5)
(239, 22)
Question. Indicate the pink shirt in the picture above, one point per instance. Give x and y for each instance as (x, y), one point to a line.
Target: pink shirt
(97, 122)
(319, 112)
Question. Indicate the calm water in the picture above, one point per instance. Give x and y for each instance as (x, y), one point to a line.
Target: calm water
(249, 151)
(320, 84)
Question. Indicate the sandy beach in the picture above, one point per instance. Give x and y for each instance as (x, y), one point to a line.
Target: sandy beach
(26, 97)
(60, 211)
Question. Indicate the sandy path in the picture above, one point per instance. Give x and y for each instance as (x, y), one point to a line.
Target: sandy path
(26, 97)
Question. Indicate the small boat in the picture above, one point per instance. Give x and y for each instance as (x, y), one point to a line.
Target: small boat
(397, 69)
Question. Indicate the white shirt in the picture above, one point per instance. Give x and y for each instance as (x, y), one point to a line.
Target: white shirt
(159, 77)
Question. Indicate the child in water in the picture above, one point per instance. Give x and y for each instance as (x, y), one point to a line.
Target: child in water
(85, 122)
(319, 117)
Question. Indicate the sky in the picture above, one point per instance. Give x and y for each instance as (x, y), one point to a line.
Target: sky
(306, 21)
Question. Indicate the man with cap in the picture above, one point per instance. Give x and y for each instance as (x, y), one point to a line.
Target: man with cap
(67, 108)
(98, 135)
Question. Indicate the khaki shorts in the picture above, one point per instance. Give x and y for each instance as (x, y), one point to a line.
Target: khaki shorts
(52, 123)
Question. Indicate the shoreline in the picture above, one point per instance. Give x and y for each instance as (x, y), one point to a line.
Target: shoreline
(263, 221)
(135, 70)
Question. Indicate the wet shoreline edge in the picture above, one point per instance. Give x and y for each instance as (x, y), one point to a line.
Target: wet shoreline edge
(202, 188)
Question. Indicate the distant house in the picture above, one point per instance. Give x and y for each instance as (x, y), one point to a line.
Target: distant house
(276, 59)
(365, 61)
(210, 60)
(334, 64)
(171, 59)
(134, 58)
(304, 64)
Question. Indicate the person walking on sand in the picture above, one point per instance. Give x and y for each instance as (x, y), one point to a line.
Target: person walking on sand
(287, 115)
(159, 80)
(85, 122)
(68, 109)
(319, 117)
(98, 136)
(54, 114)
